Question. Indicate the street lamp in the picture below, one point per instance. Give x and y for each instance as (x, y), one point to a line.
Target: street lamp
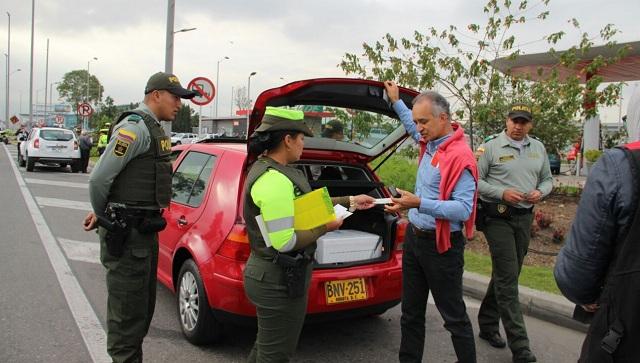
(6, 111)
(218, 81)
(249, 95)
(88, 63)
(51, 91)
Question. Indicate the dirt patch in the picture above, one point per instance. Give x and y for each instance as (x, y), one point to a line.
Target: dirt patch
(560, 211)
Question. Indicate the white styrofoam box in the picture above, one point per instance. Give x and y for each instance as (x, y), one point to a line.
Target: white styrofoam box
(348, 245)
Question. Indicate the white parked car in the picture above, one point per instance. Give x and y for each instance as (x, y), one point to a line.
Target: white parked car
(50, 145)
(183, 138)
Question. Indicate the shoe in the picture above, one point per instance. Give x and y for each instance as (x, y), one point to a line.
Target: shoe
(524, 356)
(494, 339)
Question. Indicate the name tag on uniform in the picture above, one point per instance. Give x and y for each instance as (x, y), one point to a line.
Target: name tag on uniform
(164, 145)
(505, 158)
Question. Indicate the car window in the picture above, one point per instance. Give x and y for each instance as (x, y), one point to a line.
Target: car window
(191, 178)
(349, 125)
(56, 135)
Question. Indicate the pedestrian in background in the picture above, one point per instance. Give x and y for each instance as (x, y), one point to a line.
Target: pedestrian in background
(278, 272)
(440, 212)
(514, 176)
(131, 183)
(85, 150)
(599, 265)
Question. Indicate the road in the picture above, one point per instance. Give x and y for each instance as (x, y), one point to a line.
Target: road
(53, 300)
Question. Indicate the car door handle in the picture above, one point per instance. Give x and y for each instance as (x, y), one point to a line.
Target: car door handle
(182, 221)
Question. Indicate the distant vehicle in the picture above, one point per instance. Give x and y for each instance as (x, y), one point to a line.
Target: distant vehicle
(50, 145)
(183, 138)
(554, 163)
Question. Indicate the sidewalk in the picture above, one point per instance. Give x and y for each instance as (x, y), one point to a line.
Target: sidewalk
(541, 305)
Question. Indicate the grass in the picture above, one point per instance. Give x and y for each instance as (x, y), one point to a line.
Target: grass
(397, 171)
(535, 277)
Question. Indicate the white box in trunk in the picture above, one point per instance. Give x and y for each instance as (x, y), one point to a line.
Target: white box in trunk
(347, 246)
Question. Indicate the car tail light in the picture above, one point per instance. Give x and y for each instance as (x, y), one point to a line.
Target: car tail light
(401, 230)
(75, 145)
(236, 245)
(36, 143)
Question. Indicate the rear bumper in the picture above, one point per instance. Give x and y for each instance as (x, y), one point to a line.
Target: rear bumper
(225, 288)
(53, 160)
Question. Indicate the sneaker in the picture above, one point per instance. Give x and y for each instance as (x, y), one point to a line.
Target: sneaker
(524, 356)
(494, 339)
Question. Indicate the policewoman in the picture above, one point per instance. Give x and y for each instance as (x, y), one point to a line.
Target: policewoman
(128, 186)
(276, 277)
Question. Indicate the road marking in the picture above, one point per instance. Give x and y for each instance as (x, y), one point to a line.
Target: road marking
(63, 203)
(81, 250)
(56, 183)
(90, 328)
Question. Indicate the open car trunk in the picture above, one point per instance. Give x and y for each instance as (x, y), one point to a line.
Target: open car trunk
(349, 179)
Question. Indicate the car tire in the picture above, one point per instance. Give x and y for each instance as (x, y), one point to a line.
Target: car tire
(30, 163)
(198, 324)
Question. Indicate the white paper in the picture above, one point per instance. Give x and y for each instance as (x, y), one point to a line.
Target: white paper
(383, 201)
(341, 212)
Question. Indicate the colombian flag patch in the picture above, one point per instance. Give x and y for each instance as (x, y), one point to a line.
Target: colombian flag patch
(127, 136)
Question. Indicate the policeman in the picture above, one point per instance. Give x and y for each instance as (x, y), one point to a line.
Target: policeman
(276, 277)
(514, 176)
(103, 139)
(132, 181)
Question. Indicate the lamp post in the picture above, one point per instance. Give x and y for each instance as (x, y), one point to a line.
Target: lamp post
(249, 95)
(6, 110)
(218, 81)
(51, 93)
(88, 63)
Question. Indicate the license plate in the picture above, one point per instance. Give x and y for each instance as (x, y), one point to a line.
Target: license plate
(344, 291)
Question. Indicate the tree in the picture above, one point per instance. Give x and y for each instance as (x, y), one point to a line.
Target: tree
(240, 98)
(186, 119)
(73, 87)
(460, 64)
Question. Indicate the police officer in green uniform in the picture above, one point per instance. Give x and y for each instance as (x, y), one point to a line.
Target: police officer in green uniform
(128, 187)
(277, 274)
(514, 175)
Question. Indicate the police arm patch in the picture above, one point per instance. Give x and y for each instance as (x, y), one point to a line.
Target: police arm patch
(127, 136)
(121, 147)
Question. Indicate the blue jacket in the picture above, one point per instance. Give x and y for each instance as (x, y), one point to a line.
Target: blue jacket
(605, 209)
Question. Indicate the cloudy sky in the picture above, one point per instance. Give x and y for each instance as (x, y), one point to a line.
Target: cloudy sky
(282, 40)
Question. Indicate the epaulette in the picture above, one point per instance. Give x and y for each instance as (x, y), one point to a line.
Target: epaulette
(134, 118)
(490, 137)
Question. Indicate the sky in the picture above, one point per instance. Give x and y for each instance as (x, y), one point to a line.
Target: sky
(282, 41)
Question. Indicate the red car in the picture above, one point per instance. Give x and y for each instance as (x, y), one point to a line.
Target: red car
(204, 248)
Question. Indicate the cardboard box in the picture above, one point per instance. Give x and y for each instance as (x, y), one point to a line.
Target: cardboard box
(348, 246)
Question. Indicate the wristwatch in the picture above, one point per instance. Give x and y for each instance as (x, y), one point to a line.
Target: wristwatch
(352, 204)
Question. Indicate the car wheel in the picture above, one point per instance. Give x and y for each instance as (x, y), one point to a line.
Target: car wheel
(198, 324)
(30, 163)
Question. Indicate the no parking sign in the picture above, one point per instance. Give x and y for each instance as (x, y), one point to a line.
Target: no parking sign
(204, 87)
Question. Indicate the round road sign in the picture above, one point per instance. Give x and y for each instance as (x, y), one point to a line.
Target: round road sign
(59, 119)
(205, 89)
(84, 109)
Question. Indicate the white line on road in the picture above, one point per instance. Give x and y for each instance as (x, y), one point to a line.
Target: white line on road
(57, 183)
(81, 250)
(90, 328)
(63, 203)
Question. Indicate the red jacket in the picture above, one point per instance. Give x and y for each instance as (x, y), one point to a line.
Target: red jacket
(453, 157)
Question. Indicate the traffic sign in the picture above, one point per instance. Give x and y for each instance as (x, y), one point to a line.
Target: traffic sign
(205, 89)
(59, 119)
(84, 109)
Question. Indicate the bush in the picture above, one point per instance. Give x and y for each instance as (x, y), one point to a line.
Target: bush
(397, 171)
(592, 155)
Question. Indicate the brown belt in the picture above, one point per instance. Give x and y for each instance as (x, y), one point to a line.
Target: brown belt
(430, 233)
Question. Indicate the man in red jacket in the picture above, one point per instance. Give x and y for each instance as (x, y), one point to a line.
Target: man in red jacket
(441, 212)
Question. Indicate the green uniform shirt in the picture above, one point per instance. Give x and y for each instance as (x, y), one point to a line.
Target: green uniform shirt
(502, 166)
(129, 139)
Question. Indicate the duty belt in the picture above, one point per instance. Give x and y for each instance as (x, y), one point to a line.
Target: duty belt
(430, 233)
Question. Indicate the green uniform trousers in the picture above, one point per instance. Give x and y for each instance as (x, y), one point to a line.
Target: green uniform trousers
(280, 318)
(131, 287)
(508, 243)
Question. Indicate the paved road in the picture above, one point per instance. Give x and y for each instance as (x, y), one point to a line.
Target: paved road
(52, 305)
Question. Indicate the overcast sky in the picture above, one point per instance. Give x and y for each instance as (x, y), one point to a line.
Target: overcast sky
(288, 39)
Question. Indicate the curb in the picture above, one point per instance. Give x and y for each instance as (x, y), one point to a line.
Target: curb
(553, 308)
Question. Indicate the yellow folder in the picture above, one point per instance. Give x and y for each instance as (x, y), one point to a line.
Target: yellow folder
(313, 209)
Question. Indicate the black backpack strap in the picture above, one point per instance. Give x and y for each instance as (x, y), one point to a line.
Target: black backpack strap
(626, 255)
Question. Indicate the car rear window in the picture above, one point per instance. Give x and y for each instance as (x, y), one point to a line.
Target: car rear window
(360, 127)
(56, 135)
